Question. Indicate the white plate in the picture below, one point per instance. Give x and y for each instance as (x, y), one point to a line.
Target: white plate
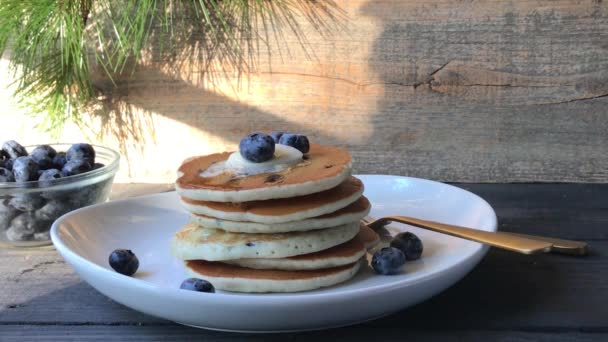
(86, 237)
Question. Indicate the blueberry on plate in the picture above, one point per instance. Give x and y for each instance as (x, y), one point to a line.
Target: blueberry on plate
(81, 152)
(388, 260)
(198, 285)
(257, 147)
(124, 261)
(76, 167)
(276, 136)
(59, 160)
(25, 169)
(409, 244)
(13, 149)
(295, 140)
(43, 156)
(6, 175)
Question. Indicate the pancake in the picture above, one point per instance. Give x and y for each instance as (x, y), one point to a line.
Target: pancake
(324, 167)
(351, 213)
(339, 255)
(281, 210)
(193, 242)
(241, 279)
(368, 236)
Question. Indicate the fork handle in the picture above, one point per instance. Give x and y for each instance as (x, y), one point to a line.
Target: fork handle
(507, 241)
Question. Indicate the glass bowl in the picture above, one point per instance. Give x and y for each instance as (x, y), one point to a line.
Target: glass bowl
(28, 209)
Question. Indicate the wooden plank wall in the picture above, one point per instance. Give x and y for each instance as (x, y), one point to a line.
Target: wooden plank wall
(468, 91)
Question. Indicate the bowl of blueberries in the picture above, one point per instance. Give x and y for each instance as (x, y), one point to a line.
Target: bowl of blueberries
(40, 183)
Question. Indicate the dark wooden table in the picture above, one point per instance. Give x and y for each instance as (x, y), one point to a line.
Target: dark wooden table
(508, 297)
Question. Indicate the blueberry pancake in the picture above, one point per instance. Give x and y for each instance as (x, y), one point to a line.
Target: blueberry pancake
(342, 254)
(242, 279)
(228, 177)
(351, 213)
(281, 210)
(193, 242)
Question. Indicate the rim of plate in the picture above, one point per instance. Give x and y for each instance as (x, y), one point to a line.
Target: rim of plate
(253, 298)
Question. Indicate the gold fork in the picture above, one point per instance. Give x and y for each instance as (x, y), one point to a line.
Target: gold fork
(522, 243)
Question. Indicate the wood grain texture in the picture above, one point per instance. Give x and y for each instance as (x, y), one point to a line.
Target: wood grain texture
(569, 211)
(475, 91)
(22, 333)
(478, 91)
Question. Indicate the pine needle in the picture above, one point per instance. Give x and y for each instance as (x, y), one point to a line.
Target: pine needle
(53, 43)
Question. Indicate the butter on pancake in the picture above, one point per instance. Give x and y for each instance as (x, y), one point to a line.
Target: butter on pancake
(241, 279)
(342, 254)
(351, 213)
(281, 210)
(324, 167)
(193, 242)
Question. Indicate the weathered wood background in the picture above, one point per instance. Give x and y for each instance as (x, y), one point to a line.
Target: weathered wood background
(469, 91)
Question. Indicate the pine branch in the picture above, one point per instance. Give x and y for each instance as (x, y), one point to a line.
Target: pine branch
(52, 43)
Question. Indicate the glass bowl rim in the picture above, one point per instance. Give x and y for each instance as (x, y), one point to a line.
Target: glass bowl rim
(107, 170)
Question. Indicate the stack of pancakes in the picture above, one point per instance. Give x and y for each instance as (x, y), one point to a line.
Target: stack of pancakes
(295, 229)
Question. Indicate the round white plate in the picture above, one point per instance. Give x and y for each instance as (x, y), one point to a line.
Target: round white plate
(86, 237)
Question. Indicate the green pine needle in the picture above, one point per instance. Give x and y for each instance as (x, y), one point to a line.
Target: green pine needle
(53, 43)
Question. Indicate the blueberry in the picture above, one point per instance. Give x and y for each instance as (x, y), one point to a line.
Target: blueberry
(24, 226)
(42, 236)
(25, 169)
(276, 136)
(7, 213)
(47, 177)
(55, 194)
(198, 285)
(124, 261)
(409, 244)
(26, 202)
(81, 152)
(86, 196)
(59, 160)
(52, 210)
(6, 175)
(257, 147)
(17, 234)
(8, 164)
(296, 140)
(43, 156)
(13, 149)
(388, 260)
(75, 167)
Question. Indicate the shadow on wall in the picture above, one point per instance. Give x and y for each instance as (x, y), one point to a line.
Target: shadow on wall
(184, 82)
(487, 92)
